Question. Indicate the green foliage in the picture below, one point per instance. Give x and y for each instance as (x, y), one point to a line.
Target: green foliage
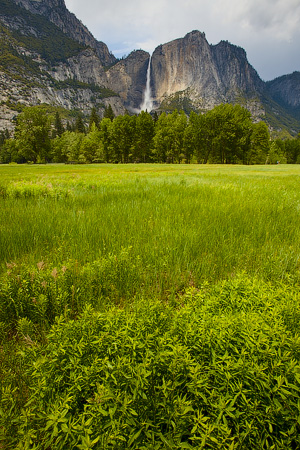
(33, 134)
(224, 135)
(122, 138)
(220, 370)
(66, 148)
(39, 294)
(79, 124)
(169, 137)
(58, 126)
(144, 133)
(178, 101)
(91, 147)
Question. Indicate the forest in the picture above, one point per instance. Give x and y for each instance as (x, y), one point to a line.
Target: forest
(224, 135)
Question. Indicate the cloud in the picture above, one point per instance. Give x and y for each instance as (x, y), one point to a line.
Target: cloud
(262, 27)
(278, 18)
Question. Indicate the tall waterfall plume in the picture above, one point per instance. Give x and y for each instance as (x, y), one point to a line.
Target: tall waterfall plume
(147, 104)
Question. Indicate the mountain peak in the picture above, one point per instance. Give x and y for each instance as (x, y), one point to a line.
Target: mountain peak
(195, 34)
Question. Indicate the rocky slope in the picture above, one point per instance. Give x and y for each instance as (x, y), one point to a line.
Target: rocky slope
(40, 63)
(57, 13)
(286, 90)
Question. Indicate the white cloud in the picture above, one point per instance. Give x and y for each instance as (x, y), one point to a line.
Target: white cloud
(262, 27)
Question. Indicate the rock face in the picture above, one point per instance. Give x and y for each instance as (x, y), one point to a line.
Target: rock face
(57, 13)
(128, 78)
(286, 90)
(209, 75)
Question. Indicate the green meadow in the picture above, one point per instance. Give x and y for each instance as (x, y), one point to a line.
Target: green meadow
(149, 307)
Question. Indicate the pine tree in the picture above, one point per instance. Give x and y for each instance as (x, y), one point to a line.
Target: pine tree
(108, 113)
(79, 125)
(58, 126)
(94, 118)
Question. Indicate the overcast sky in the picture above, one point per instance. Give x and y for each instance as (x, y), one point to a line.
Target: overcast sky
(269, 30)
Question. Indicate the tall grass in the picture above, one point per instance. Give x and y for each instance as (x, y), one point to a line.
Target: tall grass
(179, 225)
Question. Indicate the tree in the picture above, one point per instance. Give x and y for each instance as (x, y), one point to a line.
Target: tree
(94, 119)
(33, 134)
(162, 139)
(108, 113)
(9, 152)
(229, 133)
(143, 141)
(189, 139)
(4, 134)
(70, 144)
(106, 139)
(292, 150)
(79, 125)
(58, 126)
(276, 154)
(179, 121)
(259, 144)
(122, 135)
(90, 149)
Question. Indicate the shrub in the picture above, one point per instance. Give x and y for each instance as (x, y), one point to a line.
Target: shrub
(219, 370)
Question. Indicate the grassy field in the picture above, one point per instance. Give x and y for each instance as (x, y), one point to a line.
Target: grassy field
(175, 224)
(170, 293)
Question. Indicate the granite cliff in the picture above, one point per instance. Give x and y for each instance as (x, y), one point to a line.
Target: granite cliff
(207, 75)
(286, 91)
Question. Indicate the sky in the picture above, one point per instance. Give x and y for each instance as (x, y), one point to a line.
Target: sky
(269, 30)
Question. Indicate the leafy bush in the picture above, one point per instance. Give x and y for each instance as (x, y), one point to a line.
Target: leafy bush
(220, 370)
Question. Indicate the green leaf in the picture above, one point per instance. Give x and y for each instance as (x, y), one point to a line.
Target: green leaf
(134, 437)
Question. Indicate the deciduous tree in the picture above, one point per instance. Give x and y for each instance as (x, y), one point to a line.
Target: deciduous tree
(33, 134)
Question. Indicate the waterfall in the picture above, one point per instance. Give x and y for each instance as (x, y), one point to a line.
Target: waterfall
(147, 104)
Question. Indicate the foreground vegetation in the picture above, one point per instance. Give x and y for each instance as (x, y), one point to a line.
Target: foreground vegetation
(149, 307)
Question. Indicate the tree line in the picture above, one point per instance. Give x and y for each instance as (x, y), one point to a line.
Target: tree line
(224, 135)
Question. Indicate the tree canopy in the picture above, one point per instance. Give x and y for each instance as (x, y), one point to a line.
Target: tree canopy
(224, 135)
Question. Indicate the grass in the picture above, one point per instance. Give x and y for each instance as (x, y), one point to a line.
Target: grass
(149, 307)
(197, 223)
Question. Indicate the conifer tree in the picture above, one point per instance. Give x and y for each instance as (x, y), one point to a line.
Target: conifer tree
(94, 118)
(108, 113)
(58, 126)
(79, 125)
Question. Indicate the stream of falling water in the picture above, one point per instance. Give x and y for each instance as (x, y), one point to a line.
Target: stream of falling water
(147, 104)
